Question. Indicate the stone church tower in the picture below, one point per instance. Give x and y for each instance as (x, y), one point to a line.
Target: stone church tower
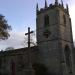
(54, 38)
(53, 55)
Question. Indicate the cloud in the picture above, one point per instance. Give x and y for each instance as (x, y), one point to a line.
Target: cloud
(16, 40)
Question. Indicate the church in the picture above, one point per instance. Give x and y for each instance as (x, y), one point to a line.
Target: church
(54, 53)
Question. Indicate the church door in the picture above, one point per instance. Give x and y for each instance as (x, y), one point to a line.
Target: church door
(12, 68)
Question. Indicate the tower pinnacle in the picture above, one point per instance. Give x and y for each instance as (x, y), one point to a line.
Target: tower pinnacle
(62, 3)
(67, 8)
(56, 2)
(37, 8)
(45, 4)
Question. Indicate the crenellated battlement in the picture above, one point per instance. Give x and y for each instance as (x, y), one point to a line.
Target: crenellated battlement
(52, 6)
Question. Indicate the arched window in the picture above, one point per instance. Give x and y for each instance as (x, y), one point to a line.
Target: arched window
(46, 21)
(67, 55)
(68, 58)
(64, 19)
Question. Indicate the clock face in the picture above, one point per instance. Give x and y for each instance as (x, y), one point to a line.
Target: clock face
(47, 33)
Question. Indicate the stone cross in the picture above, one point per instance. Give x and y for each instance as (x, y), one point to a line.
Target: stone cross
(30, 71)
(29, 32)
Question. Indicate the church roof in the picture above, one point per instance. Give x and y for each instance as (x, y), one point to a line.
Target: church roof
(18, 51)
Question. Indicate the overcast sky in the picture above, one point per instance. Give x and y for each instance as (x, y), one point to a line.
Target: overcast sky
(21, 14)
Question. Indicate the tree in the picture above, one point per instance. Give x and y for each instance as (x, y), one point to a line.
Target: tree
(4, 28)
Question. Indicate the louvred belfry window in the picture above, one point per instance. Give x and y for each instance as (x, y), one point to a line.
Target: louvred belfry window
(46, 21)
(64, 19)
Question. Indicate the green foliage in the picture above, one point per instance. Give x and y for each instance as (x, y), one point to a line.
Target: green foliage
(4, 28)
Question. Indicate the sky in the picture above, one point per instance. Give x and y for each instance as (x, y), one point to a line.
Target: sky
(21, 14)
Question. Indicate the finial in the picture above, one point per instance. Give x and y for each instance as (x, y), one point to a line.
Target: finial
(67, 8)
(56, 2)
(37, 8)
(62, 3)
(45, 4)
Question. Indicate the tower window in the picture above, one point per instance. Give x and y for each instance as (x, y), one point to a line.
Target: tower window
(64, 19)
(68, 58)
(46, 21)
(67, 55)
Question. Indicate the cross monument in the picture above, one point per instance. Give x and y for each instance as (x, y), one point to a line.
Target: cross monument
(30, 71)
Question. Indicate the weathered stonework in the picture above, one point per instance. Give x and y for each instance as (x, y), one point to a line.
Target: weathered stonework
(18, 58)
(52, 49)
(54, 53)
